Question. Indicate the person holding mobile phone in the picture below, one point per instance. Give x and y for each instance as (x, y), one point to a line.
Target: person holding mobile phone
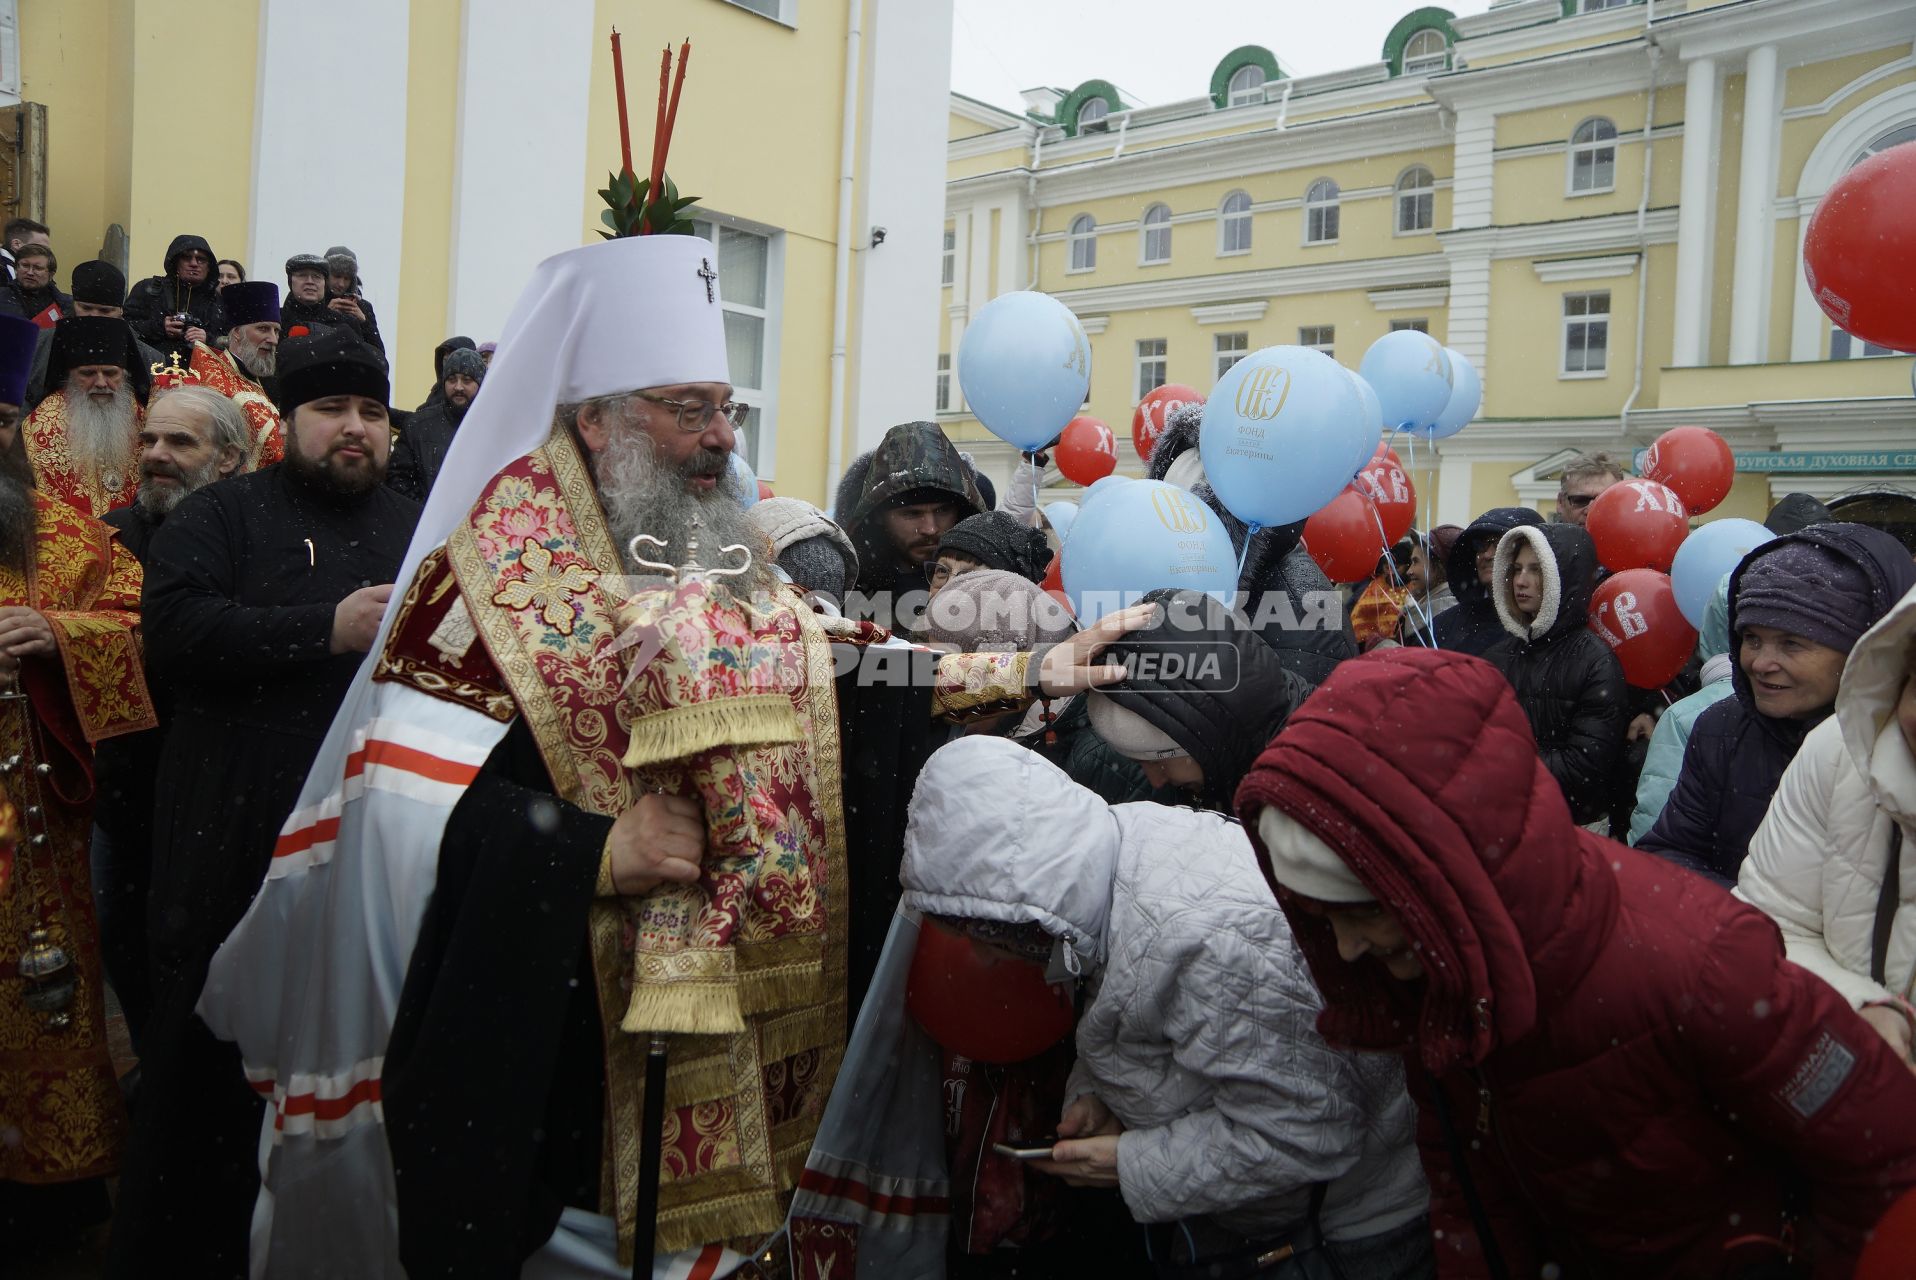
(1202, 1091)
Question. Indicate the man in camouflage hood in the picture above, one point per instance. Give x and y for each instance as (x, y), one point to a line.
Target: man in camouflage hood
(913, 488)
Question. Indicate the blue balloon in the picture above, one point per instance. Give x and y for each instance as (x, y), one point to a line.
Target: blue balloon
(1412, 377)
(1131, 537)
(1711, 551)
(1281, 433)
(1373, 420)
(1025, 367)
(744, 482)
(1061, 514)
(1466, 397)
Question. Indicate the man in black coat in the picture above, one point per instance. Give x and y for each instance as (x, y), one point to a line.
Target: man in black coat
(262, 594)
(1471, 625)
(181, 305)
(1798, 604)
(34, 294)
(428, 435)
(897, 505)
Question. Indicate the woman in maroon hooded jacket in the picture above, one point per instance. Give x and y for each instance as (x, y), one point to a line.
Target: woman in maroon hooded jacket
(1616, 1070)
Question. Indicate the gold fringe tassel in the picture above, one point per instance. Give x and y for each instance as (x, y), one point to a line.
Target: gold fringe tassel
(678, 732)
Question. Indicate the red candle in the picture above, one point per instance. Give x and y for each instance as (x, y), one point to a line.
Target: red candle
(672, 115)
(658, 129)
(618, 80)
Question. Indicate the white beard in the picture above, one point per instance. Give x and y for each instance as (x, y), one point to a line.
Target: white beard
(642, 496)
(100, 434)
(261, 364)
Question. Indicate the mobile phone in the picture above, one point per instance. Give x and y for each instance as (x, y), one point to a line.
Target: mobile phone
(1025, 1153)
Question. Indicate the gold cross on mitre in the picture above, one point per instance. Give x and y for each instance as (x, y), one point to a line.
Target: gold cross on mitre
(173, 374)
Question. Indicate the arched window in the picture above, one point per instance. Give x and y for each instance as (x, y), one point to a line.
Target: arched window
(1416, 200)
(1593, 157)
(1154, 235)
(1894, 138)
(1234, 224)
(1427, 51)
(1320, 212)
(1247, 86)
(1093, 110)
(1084, 243)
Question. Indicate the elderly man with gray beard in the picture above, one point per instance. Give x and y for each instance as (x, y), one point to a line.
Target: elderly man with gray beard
(83, 440)
(193, 436)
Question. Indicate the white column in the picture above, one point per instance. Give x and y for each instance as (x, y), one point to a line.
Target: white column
(901, 167)
(1755, 226)
(297, 137)
(1696, 215)
(518, 153)
(1471, 172)
(1468, 330)
(1454, 505)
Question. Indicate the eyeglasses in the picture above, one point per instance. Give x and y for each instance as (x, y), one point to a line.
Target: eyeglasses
(1576, 499)
(694, 415)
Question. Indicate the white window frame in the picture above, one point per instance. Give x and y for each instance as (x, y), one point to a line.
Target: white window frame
(1847, 346)
(1326, 213)
(1587, 318)
(1230, 221)
(1902, 133)
(1427, 193)
(948, 266)
(941, 401)
(1418, 325)
(1318, 337)
(1156, 361)
(1227, 349)
(786, 11)
(1598, 6)
(1093, 103)
(763, 454)
(1155, 224)
(1426, 63)
(1593, 148)
(1250, 95)
(1081, 233)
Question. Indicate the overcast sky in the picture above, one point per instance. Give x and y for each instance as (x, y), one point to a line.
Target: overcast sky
(1158, 51)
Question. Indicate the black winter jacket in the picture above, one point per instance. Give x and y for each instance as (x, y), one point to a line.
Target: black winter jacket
(1471, 625)
(914, 458)
(155, 298)
(1736, 755)
(421, 451)
(1567, 680)
(1222, 696)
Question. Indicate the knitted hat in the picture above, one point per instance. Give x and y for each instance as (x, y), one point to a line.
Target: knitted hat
(998, 541)
(1808, 590)
(99, 283)
(463, 361)
(330, 362)
(343, 261)
(1128, 733)
(992, 611)
(1304, 864)
(789, 521)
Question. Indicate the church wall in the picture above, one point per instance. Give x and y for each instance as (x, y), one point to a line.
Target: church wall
(425, 267)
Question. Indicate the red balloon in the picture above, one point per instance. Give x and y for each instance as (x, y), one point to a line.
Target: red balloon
(1385, 451)
(1694, 461)
(1860, 251)
(989, 1006)
(1388, 485)
(1638, 524)
(765, 491)
(1892, 1244)
(1053, 584)
(1342, 536)
(1635, 613)
(1147, 421)
(1087, 450)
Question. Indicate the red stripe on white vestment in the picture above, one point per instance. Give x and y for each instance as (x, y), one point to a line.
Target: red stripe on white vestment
(847, 1188)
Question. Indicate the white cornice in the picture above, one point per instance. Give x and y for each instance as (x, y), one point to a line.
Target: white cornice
(1605, 267)
(1610, 233)
(1416, 298)
(1331, 81)
(983, 144)
(1245, 155)
(1514, 17)
(1272, 282)
(1231, 312)
(984, 113)
(1094, 325)
(1604, 71)
(1806, 30)
(1613, 23)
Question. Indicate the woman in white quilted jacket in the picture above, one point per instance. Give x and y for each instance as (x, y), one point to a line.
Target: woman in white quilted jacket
(1202, 1089)
(1834, 863)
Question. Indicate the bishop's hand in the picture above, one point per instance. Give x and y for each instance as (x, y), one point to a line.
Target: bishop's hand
(659, 839)
(1072, 666)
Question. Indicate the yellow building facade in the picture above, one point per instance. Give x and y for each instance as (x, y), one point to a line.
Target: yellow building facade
(1600, 202)
(454, 144)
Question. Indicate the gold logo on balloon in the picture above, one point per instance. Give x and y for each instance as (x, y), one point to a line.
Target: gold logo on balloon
(1178, 511)
(1079, 361)
(1261, 396)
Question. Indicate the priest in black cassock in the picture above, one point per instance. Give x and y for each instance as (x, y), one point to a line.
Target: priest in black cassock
(263, 593)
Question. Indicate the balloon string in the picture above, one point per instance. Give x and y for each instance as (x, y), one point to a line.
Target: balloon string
(1423, 606)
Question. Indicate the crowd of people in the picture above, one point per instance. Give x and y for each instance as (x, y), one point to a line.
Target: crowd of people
(431, 788)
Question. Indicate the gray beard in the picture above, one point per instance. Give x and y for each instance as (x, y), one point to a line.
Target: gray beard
(641, 495)
(100, 435)
(260, 364)
(159, 501)
(16, 520)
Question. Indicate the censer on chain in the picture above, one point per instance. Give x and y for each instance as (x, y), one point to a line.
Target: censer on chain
(45, 967)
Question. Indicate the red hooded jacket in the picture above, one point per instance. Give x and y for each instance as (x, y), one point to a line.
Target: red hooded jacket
(1635, 1070)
